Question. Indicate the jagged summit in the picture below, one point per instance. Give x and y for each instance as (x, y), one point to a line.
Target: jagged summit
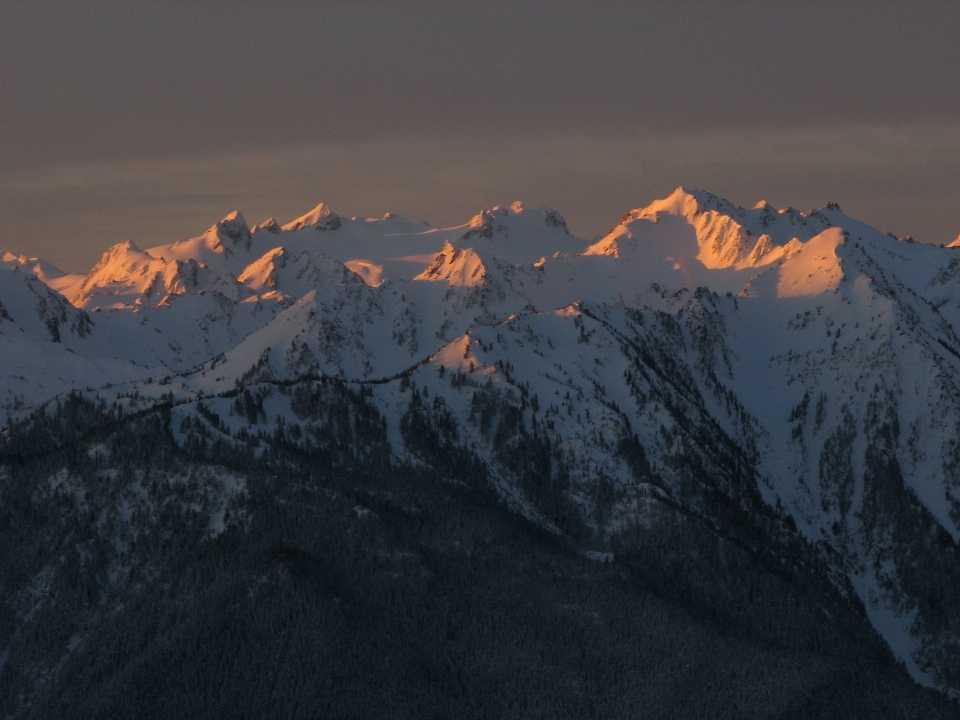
(499, 220)
(284, 275)
(37, 310)
(457, 266)
(518, 234)
(804, 364)
(234, 227)
(689, 238)
(127, 276)
(269, 225)
(727, 236)
(35, 265)
(321, 218)
(684, 202)
(49, 274)
(690, 203)
(489, 223)
(121, 261)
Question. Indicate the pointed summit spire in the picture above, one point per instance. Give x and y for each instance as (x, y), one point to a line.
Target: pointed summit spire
(321, 217)
(234, 227)
(270, 225)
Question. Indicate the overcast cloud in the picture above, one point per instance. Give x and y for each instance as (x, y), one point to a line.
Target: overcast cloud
(150, 121)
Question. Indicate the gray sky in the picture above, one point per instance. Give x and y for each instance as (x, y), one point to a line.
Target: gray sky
(151, 120)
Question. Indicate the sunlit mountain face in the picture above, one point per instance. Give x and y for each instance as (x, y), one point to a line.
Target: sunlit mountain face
(709, 461)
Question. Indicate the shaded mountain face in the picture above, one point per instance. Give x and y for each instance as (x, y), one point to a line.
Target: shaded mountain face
(741, 419)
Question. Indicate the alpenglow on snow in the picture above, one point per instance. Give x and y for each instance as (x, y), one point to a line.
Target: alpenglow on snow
(805, 361)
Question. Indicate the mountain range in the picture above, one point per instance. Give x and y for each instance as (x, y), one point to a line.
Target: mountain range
(748, 416)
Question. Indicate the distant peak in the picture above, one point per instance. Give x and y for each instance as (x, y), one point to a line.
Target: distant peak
(485, 217)
(321, 217)
(683, 202)
(457, 266)
(121, 248)
(704, 201)
(763, 218)
(488, 223)
(234, 227)
(115, 262)
(270, 225)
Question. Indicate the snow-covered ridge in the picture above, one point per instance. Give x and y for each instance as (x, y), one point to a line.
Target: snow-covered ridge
(379, 250)
(321, 218)
(825, 352)
(198, 298)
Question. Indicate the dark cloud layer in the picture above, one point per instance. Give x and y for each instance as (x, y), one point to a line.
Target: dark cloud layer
(150, 120)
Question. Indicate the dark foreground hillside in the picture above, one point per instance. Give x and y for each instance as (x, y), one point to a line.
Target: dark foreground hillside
(338, 584)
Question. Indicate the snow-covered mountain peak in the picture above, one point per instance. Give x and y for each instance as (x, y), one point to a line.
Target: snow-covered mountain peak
(269, 225)
(489, 223)
(456, 266)
(34, 265)
(500, 221)
(119, 250)
(234, 227)
(805, 269)
(517, 234)
(673, 236)
(39, 312)
(120, 261)
(321, 218)
(816, 267)
(262, 273)
(725, 236)
(827, 377)
(126, 276)
(782, 225)
(290, 275)
(47, 273)
(683, 202)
